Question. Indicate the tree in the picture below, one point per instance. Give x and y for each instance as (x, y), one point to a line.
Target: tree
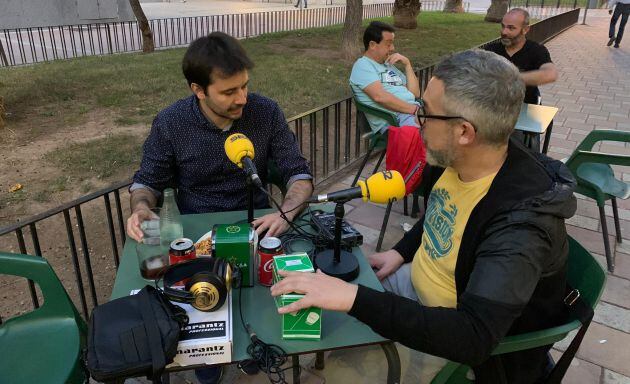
(498, 9)
(406, 13)
(1, 112)
(351, 47)
(143, 23)
(454, 6)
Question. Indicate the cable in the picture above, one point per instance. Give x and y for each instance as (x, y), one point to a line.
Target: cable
(269, 357)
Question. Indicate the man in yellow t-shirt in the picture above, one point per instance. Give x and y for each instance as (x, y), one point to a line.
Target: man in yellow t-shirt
(489, 257)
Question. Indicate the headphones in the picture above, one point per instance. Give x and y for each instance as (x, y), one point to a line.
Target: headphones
(208, 282)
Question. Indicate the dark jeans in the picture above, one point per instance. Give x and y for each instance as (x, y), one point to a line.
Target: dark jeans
(210, 375)
(622, 10)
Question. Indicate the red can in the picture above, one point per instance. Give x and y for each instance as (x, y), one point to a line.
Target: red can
(268, 247)
(181, 250)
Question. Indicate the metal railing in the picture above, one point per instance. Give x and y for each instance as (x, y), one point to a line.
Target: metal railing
(328, 138)
(39, 44)
(21, 46)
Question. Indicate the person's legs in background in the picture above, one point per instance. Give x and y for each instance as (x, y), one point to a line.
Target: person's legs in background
(405, 119)
(209, 375)
(622, 25)
(613, 23)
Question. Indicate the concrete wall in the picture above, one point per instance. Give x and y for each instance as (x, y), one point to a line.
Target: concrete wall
(36, 13)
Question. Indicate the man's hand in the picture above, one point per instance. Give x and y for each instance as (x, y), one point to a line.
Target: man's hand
(273, 223)
(396, 57)
(319, 290)
(135, 220)
(386, 263)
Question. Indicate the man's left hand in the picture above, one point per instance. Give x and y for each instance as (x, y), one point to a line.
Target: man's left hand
(273, 223)
(396, 57)
(319, 290)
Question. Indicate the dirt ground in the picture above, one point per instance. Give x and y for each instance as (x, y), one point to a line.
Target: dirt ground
(23, 161)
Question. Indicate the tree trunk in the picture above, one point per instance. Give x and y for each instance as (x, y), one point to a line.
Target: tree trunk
(498, 9)
(454, 6)
(351, 47)
(406, 13)
(1, 112)
(147, 36)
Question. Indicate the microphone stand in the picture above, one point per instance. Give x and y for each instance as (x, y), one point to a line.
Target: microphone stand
(337, 262)
(250, 200)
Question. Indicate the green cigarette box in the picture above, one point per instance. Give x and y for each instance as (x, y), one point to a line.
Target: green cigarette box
(305, 324)
(235, 243)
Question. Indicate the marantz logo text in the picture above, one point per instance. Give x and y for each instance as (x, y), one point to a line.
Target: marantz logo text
(200, 350)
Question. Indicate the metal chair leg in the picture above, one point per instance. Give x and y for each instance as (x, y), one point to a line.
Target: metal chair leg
(378, 164)
(405, 206)
(393, 363)
(415, 205)
(383, 227)
(609, 259)
(616, 217)
(319, 361)
(547, 137)
(363, 163)
(295, 361)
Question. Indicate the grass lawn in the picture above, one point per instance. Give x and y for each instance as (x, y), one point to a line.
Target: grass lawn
(299, 69)
(81, 122)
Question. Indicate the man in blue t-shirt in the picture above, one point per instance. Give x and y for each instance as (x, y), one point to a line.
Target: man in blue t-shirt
(376, 82)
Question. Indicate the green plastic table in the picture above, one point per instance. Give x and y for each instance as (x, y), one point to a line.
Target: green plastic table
(339, 330)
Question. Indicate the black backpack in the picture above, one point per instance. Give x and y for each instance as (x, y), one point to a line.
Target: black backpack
(135, 335)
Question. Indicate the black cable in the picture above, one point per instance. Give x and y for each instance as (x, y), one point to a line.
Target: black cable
(283, 214)
(269, 357)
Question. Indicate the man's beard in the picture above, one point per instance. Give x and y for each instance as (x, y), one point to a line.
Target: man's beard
(507, 42)
(440, 158)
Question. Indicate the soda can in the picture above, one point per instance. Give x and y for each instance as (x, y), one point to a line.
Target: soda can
(268, 247)
(181, 249)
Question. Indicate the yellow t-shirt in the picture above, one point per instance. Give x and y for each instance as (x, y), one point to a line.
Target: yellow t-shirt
(450, 205)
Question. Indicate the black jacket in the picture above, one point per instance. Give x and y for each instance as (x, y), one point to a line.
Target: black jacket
(510, 274)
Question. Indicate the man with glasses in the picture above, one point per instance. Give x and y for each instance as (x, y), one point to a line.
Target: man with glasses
(489, 257)
(376, 82)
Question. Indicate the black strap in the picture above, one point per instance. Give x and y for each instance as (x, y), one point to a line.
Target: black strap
(153, 334)
(580, 309)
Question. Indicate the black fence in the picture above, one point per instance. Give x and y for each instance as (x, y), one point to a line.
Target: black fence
(40, 44)
(83, 239)
(571, 4)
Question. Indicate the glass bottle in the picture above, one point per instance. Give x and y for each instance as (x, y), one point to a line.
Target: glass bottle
(170, 220)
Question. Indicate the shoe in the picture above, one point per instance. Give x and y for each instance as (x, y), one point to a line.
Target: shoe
(616, 45)
(209, 375)
(248, 367)
(610, 41)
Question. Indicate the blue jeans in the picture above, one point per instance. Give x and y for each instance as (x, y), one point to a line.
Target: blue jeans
(210, 375)
(622, 10)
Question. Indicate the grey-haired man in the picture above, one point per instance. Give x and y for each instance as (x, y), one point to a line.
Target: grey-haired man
(489, 257)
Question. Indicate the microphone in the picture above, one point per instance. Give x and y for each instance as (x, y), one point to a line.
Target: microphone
(240, 150)
(381, 188)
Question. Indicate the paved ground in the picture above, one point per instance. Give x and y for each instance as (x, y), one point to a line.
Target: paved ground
(593, 91)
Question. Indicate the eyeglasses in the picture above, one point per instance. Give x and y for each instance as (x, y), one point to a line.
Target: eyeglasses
(422, 116)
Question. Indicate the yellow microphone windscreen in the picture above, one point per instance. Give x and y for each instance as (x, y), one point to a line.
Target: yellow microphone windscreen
(238, 146)
(383, 187)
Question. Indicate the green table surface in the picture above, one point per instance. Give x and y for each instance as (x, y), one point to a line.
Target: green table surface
(339, 330)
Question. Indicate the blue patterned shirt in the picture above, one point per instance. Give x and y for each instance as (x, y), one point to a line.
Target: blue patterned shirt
(185, 150)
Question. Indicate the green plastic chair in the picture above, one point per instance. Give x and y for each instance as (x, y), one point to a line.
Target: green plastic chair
(597, 180)
(585, 274)
(44, 345)
(377, 140)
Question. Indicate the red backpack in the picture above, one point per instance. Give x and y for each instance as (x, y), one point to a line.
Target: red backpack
(406, 154)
